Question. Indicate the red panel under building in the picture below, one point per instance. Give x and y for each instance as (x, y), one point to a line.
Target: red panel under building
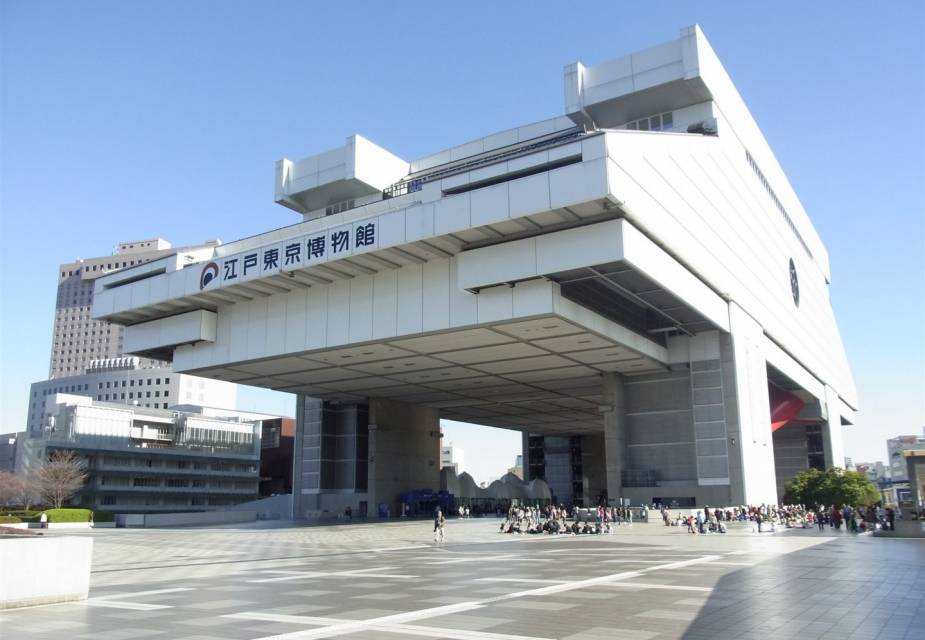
(785, 406)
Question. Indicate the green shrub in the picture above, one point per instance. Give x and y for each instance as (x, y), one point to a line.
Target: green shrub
(104, 516)
(68, 515)
(24, 516)
(9, 520)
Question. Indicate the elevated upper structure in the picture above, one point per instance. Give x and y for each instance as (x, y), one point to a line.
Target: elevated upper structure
(637, 274)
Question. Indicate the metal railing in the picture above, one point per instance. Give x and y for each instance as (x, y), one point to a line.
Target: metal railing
(416, 183)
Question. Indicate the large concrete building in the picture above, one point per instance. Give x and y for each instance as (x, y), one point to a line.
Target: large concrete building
(633, 284)
(132, 381)
(9, 444)
(146, 460)
(894, 452)
(78, 339)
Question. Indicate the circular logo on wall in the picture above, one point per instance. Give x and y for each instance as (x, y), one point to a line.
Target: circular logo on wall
(210, 273)
(794, 284)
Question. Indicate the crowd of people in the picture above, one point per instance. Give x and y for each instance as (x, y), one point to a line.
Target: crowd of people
(770, 517)
(855, 519)
(568, 521)
(559, 519)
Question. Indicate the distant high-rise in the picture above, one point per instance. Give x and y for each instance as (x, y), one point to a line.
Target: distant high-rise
(895, 447)
(78, 338)
(452, 456)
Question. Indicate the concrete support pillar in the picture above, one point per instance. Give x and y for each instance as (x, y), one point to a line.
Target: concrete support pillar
(754, 447)
(832, 441)
(915, 470)
(613, 395)
(594, 469)
(404, 451)
(525, 451)
(306, 457)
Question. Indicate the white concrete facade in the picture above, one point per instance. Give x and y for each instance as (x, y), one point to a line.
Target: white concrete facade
(648, 234)
(131, 384)
(147, 459)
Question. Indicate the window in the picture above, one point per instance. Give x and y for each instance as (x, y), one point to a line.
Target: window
(658, 122)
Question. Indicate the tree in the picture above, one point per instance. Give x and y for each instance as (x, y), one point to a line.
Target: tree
(23, 488)
(834, 486)
(9, 487)
(61, 477)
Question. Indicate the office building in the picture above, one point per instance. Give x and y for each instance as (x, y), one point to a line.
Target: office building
(8, 447)
(453, 457)
(79, 339)
(276, 444)
(132, 381)
(894, 449)
(147, 460)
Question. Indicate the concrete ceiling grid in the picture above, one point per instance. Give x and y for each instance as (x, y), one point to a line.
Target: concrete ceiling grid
(541, 374)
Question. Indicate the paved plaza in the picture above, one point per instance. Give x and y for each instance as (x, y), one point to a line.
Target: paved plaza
(388, 580)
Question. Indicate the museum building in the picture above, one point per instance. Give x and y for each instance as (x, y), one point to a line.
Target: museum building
(634, 285)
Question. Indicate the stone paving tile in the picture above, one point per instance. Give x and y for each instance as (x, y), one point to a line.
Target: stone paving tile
(447, 600)
(536, 605)
(609, 633)
(797, 585)
(472, 621)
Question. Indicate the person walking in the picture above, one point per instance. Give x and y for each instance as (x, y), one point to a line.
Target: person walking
(44, 520)
(439, 526)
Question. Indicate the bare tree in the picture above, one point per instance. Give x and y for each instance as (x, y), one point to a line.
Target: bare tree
(61, 477)
(9, 487)
(26, 490)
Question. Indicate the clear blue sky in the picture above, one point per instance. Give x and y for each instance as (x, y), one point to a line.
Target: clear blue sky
(127, 120)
